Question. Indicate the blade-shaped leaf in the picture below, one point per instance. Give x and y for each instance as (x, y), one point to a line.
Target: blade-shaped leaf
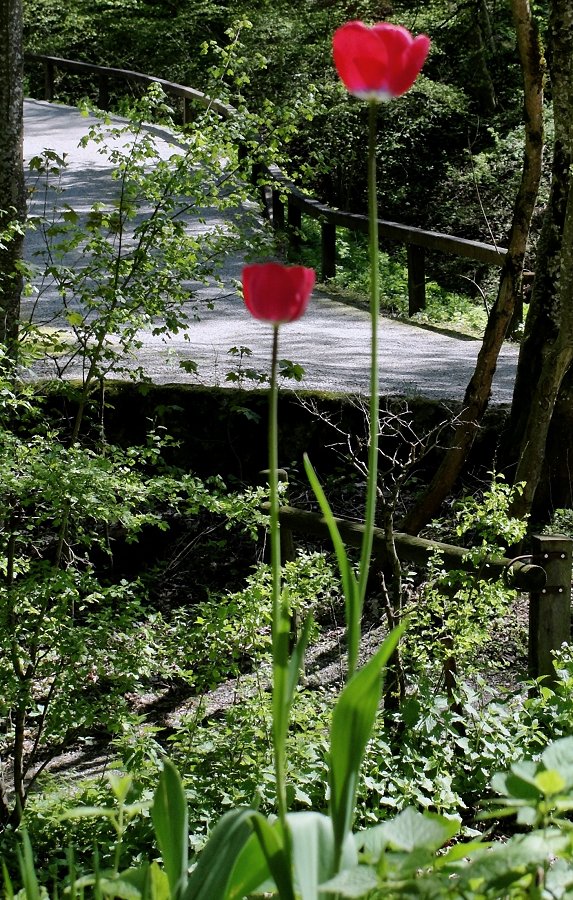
(296, 660)
(273, 847)
(349, 583)
(352, 723)
(251, 870)
(28, 869)
(212, 874)
(170, 821)
(313, 852)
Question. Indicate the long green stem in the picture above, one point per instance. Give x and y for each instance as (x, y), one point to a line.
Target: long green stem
(372, 483)
(279, 663)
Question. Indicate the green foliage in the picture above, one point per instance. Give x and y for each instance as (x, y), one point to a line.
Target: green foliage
(561, 523)
(459, 612)
(73, 640)
(132, 263)
(229, 633)
(456, 311)
(411, 854)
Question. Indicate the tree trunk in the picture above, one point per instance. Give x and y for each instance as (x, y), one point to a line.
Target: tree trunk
(479, 389)
(12, 190)
(556, 363)
(547, 350)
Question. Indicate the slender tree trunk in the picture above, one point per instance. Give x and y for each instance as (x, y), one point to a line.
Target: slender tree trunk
(547, 351)
(556, 363)
(12, 191)
(479, 389)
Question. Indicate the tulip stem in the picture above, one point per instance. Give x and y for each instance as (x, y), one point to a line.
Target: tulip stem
(279, 613)
(372, 483)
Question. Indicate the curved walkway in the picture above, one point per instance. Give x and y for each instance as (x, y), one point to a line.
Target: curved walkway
(330, 342)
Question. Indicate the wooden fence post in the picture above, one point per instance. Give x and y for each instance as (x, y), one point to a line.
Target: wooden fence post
(416, 278)
(48, 80)
(328, 242)
(278, 211)
(550, 608)
(294, 221)
(103, 91)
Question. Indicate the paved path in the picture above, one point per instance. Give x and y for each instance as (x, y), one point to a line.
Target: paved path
(330, 342)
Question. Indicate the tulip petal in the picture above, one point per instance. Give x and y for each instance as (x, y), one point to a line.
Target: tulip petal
(378, 62)
(276, 293)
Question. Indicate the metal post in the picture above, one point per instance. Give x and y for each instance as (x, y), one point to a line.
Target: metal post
(550, 608)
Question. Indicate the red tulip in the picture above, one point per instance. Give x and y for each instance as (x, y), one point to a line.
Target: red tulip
(380, 62)
(276, 293)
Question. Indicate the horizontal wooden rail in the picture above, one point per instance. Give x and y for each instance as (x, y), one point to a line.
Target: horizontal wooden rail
(416, 240)
(104, 73)
(523, 576)
(547, 577)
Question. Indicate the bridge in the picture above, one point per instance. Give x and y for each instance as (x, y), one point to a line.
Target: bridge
(330, 342)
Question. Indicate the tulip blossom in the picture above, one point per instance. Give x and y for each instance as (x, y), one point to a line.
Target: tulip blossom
(378, 62)
(277, 293)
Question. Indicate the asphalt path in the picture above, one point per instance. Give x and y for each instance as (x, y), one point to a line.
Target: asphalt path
(331, 342)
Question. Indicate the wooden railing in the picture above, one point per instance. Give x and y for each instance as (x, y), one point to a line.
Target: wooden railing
(416, 240)
(545, 574)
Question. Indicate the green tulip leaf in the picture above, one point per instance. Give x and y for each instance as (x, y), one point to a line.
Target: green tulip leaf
(313, 851)
(211, 876)
(251, 871)
(170, 821)
(352, 723)
(273, 847)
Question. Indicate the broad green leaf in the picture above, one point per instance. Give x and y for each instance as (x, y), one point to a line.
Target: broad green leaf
(356, 882)
(118, 887)
(313, 852)
(88, 812)
(120, 785)
(146, 881)
(273, 847)
(409, 830)
(170, 821)
(506, 863)
(550, 782)
(559, 756)
(515, 787)
(158, 883)
(212, 874)
(352, 723)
